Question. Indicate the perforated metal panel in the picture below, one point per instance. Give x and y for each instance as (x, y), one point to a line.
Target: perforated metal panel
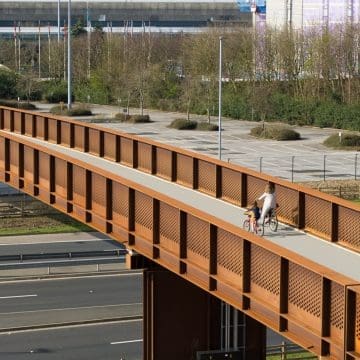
(61, 177)
(163, 163)
(349, 227)
(94, 141)
(198, 241)
(28, 124)
(65, 133)
(304, 292)
(207, 177)
(126, 151)
(265, 270)
(2, 153)
(357, 324)
(231, 185)
(79, 181)
(144, 157)
(169, 227)
(17, 122)
(120, 205)
(79, 133)
(40, 126)
(28, 164)
(98, 194)
(337, 310)
(318, 215)
(110, 146)
(288, 204)
(14, 158)
(44, 170)
(143, 215)
(52, 128)
(184, 170)
(229, 253)
(256, 188)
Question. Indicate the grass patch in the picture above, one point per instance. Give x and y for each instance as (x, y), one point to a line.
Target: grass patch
(75, 111)
(132, 119)
(18, 104)
(348, 141)
(275, 132)
(184, 124)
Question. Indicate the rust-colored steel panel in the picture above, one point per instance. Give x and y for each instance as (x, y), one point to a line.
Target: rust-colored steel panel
(288, 204)
(265, 275)
(17, 122)
(337, 314)
(2, 154)
(29, 124)
(170, 228)
(79, 133)
(163, 163)
(98, 195)
(357, 325)
(305, 297)
(7, 119)
(349, 227)
(144, 157)
(110, 146)
(14, 158)
(79, 181)
(120, 203)
(52, 130)
(229, 257)
(256, 188)
(143, 215)
(207, 177)
(231, 185)
(98, 222)
(126, 151)
(170, 260)
(65, 134)
(184, 170)
(94, 141)
(197, 236)
(28, 164)
(44, 171)
(318, 216)
(40, 127)
(61, 178)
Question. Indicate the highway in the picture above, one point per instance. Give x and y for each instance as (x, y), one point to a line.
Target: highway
(112, 341)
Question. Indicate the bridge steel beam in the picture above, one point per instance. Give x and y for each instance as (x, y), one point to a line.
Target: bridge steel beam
(309, 304)
(326, 216)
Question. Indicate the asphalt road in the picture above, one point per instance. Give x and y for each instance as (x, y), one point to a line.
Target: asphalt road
(58, 301)
(113, 341)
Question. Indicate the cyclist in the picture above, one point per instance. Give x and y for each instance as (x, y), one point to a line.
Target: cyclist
(269, 202)
(254, 214)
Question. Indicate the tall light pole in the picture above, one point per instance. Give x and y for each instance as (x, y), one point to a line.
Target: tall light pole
(220, 91)
(69, 56)
(58, 20)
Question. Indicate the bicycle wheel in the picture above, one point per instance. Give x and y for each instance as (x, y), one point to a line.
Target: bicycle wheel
(246, 225)
(259, 229)
(273, 223)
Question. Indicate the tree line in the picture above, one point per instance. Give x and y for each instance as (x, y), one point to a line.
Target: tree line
(310, 77)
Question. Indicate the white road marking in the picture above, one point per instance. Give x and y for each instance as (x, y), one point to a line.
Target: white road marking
(126, 342)
(17, 296)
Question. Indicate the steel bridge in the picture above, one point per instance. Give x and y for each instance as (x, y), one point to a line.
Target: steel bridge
(181, 211)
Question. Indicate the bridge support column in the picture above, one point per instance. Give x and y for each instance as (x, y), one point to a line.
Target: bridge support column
(181, 319)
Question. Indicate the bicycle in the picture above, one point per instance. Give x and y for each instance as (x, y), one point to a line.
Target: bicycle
(271, 220)
(251, 224)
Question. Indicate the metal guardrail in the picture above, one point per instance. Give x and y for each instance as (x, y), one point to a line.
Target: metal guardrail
(286, 351)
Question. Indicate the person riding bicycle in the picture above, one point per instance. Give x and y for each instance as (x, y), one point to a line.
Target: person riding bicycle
(269, 202)
(253, 213)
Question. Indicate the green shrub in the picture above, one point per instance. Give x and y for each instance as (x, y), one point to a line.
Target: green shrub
(137, 119)
(57, 92)
(16, 104)
(8, 80)
(75, 111)
(183, 124)
(348, 141)
(205, 126)
(122, 117)
(275, 132)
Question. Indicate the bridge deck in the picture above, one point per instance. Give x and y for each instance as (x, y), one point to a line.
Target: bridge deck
(334, 257)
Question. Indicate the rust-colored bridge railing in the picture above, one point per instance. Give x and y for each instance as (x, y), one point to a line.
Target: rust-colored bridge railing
(311, 305)
(326, 216)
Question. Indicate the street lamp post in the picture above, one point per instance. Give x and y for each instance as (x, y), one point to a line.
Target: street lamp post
(220, 91)
(58, 20)
(69, 56)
